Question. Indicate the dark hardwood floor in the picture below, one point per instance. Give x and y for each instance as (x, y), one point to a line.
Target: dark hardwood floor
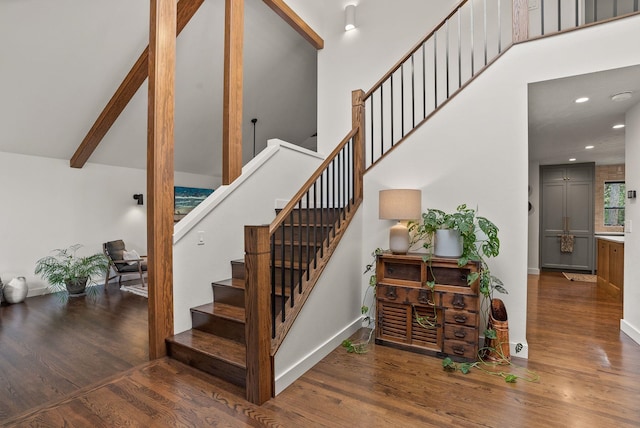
(589, 374)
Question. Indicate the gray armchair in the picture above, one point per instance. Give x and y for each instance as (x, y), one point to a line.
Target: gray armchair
(115, 251)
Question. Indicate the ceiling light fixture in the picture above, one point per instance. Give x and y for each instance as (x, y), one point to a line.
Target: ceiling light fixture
(582, 100)
(618, 126)
(572, 159)
(588, 147)
(621, 96)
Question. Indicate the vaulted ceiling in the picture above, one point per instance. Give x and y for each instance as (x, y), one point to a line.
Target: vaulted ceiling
(62, 61)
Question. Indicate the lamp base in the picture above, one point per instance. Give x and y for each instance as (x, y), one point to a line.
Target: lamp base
(399, 239)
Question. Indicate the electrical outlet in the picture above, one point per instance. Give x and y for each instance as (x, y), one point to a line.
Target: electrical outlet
(627, 226)
(201, 237)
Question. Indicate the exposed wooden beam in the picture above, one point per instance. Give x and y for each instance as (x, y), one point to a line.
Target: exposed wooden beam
(160, 149)
(232, 105)
(126, 91)
(298, 24)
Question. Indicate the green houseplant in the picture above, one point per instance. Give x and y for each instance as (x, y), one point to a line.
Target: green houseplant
(66, 270)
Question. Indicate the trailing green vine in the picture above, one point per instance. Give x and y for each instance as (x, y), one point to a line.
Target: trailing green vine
(501, 366)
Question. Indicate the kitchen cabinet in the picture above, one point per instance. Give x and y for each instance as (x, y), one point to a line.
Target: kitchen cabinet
(610, 266)
(567, 208)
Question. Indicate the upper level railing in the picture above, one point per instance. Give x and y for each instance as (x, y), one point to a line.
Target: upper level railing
(552, 16)
(473, 35)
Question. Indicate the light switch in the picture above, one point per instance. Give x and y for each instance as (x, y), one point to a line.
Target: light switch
(627, 226)
(201, 237)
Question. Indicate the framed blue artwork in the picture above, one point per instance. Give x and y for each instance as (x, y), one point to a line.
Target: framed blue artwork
(187, 198)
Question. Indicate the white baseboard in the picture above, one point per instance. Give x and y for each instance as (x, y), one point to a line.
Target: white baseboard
(37, 292)
(630, 331)
(290, 375)
(533, 271)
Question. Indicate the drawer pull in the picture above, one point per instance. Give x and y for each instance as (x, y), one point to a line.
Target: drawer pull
(460, 334)
(423, 297)
(458, 349)
(460, 319)
(391, 293)
(458, 301)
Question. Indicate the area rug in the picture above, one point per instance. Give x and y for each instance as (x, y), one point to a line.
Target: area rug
(580, 277)
(137, 289)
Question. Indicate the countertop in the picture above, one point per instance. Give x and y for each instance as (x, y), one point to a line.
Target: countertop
(612, 238)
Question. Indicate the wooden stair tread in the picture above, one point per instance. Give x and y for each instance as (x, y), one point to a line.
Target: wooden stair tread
(222, 310)
(217, 347)
(230, 282)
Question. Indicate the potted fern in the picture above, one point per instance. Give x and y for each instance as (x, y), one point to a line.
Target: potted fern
(66, 270)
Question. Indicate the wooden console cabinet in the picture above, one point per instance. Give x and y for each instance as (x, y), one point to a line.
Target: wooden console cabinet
(450, 311)
(610, 266)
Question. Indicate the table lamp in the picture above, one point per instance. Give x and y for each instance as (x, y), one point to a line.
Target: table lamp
(400, 205)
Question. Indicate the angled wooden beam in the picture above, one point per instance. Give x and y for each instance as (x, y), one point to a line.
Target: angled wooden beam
(160, 149)
(232, 103)
(126, 91)
(298, 24)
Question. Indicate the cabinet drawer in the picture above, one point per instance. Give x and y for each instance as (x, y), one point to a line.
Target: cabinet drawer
(453, 316)
(391, 293)
(460, 301)
(408, 295)
(462, 350)
(460, 333)
(423, 296)
(400, 272)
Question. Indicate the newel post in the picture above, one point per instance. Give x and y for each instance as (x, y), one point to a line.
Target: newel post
(357, 122)
(257, 295)
(520, 31)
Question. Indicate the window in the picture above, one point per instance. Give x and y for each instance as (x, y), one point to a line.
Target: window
(614, 194)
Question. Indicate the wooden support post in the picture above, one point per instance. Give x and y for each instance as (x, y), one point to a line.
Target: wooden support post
(357, 122)
(160, 148)
(520, 21)
(257, 292)
(232, 105)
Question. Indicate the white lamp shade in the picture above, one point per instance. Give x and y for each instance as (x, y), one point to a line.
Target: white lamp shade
(400, 204)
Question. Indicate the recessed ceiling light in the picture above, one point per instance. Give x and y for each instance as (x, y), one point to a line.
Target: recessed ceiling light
(618, 126)
(572, 159)
(588, 147)
(621, 96)
(582, 100)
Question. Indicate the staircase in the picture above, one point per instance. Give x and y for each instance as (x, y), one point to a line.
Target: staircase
(216, 344)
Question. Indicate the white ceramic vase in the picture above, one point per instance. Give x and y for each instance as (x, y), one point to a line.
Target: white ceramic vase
(16, 290)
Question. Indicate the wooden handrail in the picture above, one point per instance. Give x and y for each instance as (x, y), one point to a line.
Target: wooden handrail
(286, 211)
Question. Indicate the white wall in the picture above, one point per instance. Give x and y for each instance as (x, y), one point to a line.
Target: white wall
(278, 172)
(330, 314)
(630, 323)
(48, 205)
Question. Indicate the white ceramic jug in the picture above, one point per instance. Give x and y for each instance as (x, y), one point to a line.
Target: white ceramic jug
(16, 290)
